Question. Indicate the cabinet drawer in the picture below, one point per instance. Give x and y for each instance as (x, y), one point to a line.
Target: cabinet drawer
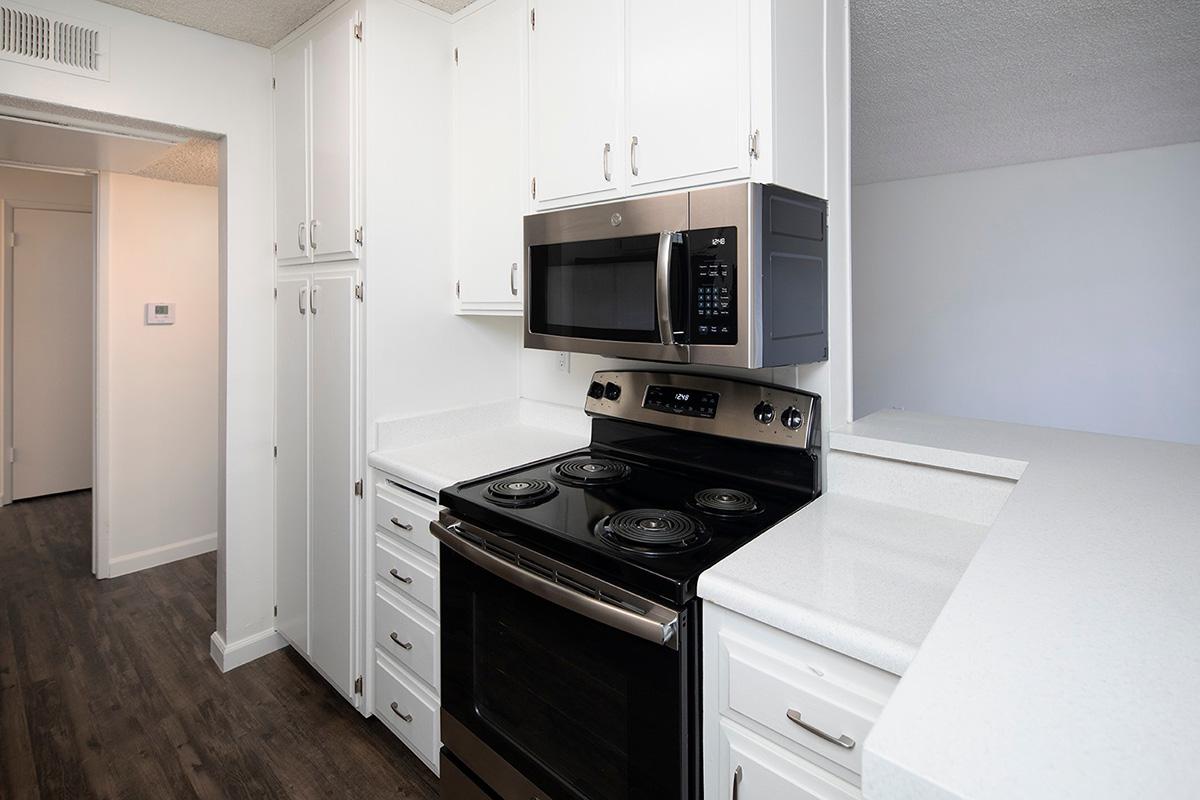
(407, 637)
(409, 712)
(766, 772)
(406, 517)
(406, 572)
(813, 701)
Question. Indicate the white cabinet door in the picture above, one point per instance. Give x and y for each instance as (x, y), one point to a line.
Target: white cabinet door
(291, 461)
(762, 771)
(333, 319)
(687, 91)
(488, 173)
(576, 148)
(334, 138)
(291, 153)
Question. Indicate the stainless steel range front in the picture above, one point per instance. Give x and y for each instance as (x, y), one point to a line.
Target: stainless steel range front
(570, 622)
(730, 275)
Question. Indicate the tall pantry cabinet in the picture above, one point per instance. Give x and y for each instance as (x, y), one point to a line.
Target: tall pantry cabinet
(318, 333)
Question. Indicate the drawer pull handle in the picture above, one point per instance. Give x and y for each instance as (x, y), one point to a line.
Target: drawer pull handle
(841, 741)
(737, 781)
(405, 717)
(403, 525)
(403, 579)
(405, 645)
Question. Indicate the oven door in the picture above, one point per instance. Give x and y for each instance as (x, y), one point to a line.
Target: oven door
(609, 279)
(549, 690)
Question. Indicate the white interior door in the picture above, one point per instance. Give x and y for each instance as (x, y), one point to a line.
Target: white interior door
(334, 69)
(575, 99)
(688, 90)
(291, 153)
(51, 352)
(292, 460)
(333, 475)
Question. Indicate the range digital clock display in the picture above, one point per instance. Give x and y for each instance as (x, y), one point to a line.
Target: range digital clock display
(681, 400)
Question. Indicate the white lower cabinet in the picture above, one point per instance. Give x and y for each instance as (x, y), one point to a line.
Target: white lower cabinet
(783, 717)
(317, 451)
(406, 639)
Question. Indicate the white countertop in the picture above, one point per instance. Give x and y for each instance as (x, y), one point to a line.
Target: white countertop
(863, 578)
(433, 451)
(1066, 661)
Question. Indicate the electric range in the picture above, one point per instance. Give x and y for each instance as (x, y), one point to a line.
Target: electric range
(570, 622)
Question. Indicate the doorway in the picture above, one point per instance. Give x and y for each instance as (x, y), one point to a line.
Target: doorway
(48, 349)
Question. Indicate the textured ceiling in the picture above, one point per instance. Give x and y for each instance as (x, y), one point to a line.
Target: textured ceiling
(945, 85)
(260, 22)
(193, 161)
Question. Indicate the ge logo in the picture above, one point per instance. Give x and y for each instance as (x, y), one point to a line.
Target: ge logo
(719, 241)
(615, 220)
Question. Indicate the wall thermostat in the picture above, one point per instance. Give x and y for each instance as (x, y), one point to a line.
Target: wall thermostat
(160, 313)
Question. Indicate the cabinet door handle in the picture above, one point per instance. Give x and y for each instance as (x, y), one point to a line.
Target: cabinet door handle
(300, 297)
(399, 577)
(312, 300)
(633, 155)
(737, 781)
(312, 234)
(300, 238)
(396, 639)
(396, 711)
(512, 279)
(607, 170)
(841, 741)
(396, 521)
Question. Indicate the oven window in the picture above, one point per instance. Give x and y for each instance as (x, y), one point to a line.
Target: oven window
(550, 703)
(603, 289)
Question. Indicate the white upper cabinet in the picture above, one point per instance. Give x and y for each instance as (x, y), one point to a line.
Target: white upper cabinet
(577, 150)
(316, 143)
(489, 173)
(291, 153)
(699, 91)
(687, 91)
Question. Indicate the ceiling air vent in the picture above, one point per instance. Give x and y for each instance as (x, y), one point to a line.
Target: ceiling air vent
(54, 41)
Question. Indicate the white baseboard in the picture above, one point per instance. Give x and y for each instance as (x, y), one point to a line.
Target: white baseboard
(156, 556)
(243, 651)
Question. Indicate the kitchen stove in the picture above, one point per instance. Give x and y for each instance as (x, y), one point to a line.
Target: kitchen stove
(578, 573)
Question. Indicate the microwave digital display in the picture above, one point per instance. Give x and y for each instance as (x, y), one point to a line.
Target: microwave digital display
(681, 400)
(712, 268)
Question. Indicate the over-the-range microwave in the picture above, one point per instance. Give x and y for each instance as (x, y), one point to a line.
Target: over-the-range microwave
(731, 275)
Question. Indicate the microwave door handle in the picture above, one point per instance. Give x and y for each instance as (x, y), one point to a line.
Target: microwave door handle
(666, 330)
(658, 624)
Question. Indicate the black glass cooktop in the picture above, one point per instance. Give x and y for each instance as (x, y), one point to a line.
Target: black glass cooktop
(653, 530)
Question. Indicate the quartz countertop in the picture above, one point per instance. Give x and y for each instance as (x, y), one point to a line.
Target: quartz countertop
(1064, 663)
(433, 451)
(863, 578)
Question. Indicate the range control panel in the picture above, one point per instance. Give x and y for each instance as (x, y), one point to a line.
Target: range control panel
(754, 412)
(712, 272)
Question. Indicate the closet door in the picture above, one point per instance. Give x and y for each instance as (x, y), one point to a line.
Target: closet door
(334, 137)
(292, 460)
(291, 154)
(334, 311)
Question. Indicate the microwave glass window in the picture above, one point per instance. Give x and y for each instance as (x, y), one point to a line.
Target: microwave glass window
(601, 289)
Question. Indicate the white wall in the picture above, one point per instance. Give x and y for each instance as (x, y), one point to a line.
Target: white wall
(161, 383)
(169, 73)
(36, 186)
(1062, 293)
(420, 356)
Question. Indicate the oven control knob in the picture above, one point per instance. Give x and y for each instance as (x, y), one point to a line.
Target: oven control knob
(596, 390)
(612, 391)
(791, 418)
(764, 412)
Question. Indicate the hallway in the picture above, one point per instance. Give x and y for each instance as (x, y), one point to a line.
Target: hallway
(107, 689)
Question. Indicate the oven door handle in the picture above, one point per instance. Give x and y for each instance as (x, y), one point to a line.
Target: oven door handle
(666, 330)
(658, 624)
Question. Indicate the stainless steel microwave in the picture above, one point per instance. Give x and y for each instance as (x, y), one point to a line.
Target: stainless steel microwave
(732, 275)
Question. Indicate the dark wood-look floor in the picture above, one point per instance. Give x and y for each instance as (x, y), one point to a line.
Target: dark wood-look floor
(107, 689)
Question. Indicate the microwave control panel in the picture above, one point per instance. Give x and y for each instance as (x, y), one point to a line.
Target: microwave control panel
(712, 286)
